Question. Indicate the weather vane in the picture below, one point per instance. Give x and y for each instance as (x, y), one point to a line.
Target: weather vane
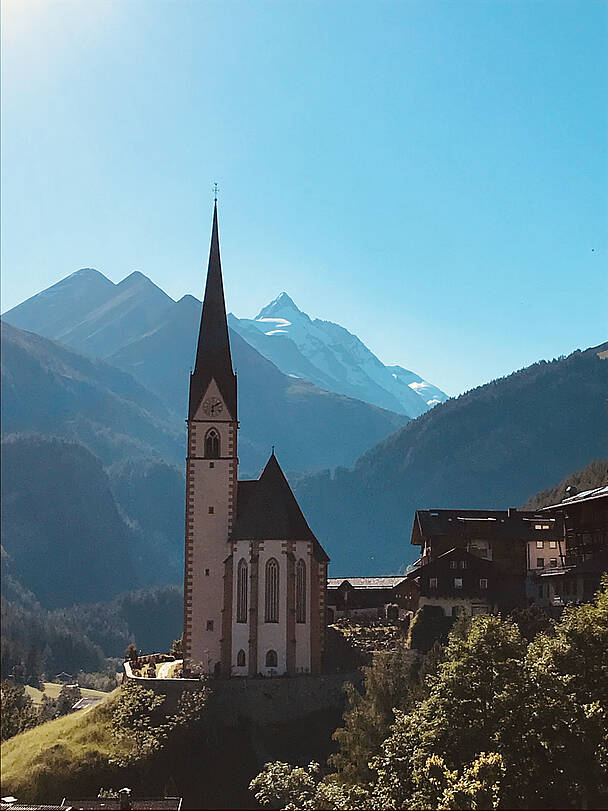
(215, 192)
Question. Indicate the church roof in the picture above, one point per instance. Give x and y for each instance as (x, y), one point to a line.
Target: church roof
(213, 359)
(267, 510)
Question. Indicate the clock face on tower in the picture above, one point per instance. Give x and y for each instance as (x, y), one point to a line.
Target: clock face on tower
(212, 406)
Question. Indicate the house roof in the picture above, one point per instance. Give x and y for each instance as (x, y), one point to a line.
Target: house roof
(267, 510)
(366, 582)
(83, 703)
(585, 495)
(456, 552)
(507, 524)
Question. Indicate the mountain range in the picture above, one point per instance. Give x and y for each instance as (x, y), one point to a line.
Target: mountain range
(333, 358)
(491, 447)
(133, 327)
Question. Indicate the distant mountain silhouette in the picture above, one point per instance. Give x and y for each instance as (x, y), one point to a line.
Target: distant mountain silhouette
(140, 330)
(333, 358)
(490, 447)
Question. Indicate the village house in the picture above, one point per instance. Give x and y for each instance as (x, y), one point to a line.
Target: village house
(583, 549)
(477, 561)
(383, 597)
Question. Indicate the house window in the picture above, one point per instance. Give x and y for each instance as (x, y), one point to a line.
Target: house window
(301, 591)
(552, 544)
(212, 444)
(272, 659)
(540, 544)
(206, 572)
(458, 582)
(483, 582)
(453, 564)
(476, 610)
(458, 611)
(463, 564)
(553, 562)
(481, 549)
(242, 585)
(211, 510)
(540, 563)
(432, 582)
(211, 464)
(210, 625)
(272, 592)
(240, 658)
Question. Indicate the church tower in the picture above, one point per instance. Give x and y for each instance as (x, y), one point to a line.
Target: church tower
(211, 480)
(255, 574)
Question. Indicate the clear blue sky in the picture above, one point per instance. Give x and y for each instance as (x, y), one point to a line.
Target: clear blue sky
(431, 175)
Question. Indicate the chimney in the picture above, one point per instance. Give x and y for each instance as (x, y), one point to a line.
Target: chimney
(511, 512)
(124, 797)
(570, 491)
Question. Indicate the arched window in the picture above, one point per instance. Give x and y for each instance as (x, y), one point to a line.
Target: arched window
(301, 591)
(240, 658)
(242, 585)
(272, 591)
(212, 444)
(272, 659)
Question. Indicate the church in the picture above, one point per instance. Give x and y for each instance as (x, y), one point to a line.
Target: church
(255, 575)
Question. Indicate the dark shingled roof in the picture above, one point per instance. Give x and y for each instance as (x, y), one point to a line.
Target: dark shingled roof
(213, 359)
(267, 510)
(507, 524)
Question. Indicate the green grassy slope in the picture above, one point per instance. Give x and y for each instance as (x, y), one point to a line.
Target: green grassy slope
(71, 752)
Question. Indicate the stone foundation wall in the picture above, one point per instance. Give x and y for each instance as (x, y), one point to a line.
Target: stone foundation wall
(258, 701)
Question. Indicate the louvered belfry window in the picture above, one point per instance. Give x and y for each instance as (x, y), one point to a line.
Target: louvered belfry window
(301, 591)
(242, 591)
(272, 591)
(212, 444)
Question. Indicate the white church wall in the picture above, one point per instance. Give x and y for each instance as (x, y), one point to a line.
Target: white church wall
(240, 630)
(304, 550)
(272, 635)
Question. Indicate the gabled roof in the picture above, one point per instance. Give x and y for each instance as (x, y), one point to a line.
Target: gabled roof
(456, 552)
(585, 495)
(507, 524)
(213, 359)
(389, 582)
(267, 510)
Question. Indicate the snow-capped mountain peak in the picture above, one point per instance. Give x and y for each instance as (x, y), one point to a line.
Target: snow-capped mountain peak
(333, 358)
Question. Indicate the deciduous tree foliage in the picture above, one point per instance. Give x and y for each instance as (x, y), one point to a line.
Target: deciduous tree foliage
(504, 723)
(18, 711)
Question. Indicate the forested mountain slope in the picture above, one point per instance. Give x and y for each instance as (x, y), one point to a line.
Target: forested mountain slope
(491, 447)
(595, 474)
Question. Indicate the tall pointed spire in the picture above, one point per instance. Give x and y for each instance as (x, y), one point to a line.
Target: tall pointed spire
(213, 359)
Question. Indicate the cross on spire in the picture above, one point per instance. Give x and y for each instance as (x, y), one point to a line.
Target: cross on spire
(215, 187)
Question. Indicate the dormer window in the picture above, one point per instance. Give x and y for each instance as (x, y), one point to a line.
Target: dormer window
(212, 444)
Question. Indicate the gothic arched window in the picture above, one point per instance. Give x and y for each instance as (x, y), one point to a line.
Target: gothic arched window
(272, 659)
(301, 591)
(271, 612)
(241, 590)
(212, 444)
(240, 658)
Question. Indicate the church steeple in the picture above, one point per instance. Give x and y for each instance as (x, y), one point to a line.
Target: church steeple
(213, 359)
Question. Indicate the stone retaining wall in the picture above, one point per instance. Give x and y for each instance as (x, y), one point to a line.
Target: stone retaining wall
(259, 701)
